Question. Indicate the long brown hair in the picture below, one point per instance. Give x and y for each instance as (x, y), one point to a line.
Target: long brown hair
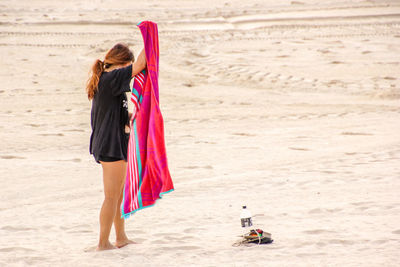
(119, 54)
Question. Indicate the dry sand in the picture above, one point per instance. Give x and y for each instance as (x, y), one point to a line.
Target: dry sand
(289, 107)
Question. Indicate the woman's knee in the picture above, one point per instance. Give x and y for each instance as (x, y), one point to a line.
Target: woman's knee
(112, 192)
(111, 199)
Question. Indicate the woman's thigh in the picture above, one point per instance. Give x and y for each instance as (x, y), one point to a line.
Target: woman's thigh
(114, 174)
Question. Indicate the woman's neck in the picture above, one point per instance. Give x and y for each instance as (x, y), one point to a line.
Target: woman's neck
(114, 67)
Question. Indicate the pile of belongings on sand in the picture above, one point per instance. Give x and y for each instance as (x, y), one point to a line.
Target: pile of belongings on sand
(255, 236)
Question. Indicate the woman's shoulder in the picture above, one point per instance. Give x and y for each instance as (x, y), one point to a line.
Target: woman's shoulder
(119, 71)
(117, 74)
(118, 80)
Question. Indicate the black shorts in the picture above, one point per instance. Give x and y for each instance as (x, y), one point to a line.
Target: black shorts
(106, 159)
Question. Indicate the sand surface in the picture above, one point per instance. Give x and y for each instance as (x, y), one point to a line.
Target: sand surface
(289, 107)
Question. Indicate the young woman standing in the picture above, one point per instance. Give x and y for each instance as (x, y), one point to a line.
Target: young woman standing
(109, 81)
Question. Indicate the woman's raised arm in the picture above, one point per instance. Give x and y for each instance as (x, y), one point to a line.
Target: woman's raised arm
(139, 64)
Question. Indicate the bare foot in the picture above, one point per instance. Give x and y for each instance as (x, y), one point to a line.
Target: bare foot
(123, 243)
(107, 246)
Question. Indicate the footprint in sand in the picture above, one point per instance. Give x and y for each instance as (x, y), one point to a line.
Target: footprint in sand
(177, 248)
(52, 134)
(299, 148)
(34, 125)
(341, 242)
(380, 241)
(318, 232)
(362, 203)
(139, 240)
(198, 167)
(243, 134)
(16, 249)
(90, 249)
(315, 211)
(79, 231)
(355, 133)
(159, 241)
(192, 230)
(11, 157)
(75, 130)
(77, 228)
(16, 228)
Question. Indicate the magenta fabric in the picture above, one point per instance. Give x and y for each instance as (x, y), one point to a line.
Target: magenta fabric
(148, 176)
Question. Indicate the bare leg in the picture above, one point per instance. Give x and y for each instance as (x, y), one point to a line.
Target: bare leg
(119, 223)
(113, 179)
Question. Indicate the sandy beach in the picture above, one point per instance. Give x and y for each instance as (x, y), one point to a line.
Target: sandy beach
(289, 107)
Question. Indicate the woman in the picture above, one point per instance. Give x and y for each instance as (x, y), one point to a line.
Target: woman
(106, 87)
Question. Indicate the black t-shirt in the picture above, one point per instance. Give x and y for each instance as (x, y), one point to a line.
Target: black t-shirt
(109, 115)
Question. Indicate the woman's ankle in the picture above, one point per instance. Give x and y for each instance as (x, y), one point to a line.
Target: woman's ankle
(121, 237)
